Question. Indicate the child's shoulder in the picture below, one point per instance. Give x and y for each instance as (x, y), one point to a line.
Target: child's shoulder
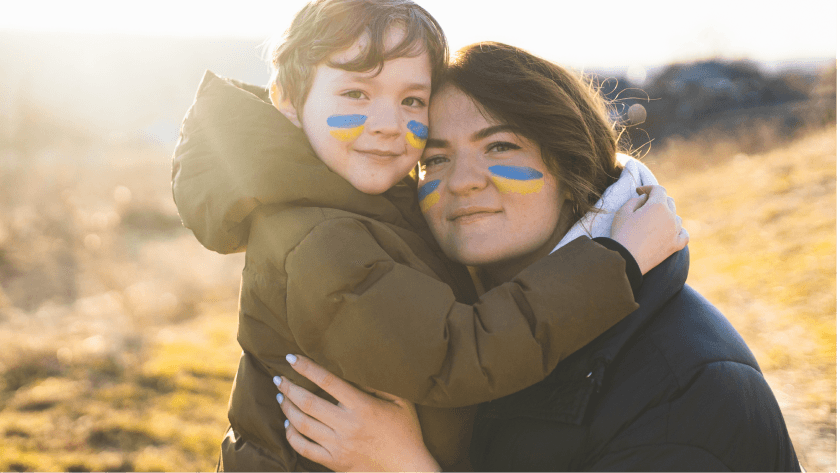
(276, 230)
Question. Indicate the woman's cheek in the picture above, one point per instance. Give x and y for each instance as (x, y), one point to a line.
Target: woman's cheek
(428, 195)
(517, 179)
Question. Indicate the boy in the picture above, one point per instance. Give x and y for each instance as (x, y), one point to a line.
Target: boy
(340, 265)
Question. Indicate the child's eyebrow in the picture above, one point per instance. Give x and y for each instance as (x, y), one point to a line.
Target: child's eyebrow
(366, 78)
(419, 88)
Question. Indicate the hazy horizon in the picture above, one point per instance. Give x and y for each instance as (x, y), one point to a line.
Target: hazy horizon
(644, 33)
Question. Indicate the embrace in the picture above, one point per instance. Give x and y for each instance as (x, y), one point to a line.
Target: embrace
(450, 265)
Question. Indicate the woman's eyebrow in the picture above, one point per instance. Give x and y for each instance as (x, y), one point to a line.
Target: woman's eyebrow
(491, 130)
(436, 143)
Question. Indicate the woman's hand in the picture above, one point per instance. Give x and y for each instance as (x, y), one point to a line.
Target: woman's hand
(649, 227)
(364, 432)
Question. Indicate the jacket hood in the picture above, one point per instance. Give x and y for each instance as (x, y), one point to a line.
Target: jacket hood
(237, 152)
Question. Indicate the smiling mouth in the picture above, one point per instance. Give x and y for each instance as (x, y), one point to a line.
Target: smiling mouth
(470, 215)
(378, 154)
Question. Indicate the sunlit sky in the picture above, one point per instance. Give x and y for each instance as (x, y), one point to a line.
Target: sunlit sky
(577, 33)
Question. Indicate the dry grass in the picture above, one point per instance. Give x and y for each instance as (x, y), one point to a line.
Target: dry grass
(119, 328)
(763, 250)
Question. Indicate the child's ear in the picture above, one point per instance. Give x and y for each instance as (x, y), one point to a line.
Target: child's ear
(284, 105)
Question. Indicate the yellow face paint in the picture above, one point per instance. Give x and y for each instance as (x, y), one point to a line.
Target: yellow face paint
(348, 127)
(428, 195)
(518, 179)
(417, 135)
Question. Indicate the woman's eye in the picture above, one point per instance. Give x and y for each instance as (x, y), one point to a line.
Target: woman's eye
(433, 161)
(414, 102)
(501, 146)
(353, 94)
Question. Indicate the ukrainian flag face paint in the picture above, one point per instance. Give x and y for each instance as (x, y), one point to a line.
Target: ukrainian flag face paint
(518, 179)
(417, 134)
(346, 127)
(428, 195)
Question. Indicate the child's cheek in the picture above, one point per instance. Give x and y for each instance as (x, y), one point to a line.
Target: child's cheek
(428, 195)
(517, 179)
(346, 127)
(417, 134)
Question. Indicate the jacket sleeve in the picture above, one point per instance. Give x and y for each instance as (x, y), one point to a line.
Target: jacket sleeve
(725, 419)
(382, 319)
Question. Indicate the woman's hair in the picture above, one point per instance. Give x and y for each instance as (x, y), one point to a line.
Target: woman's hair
(545, 103)
(324, 27)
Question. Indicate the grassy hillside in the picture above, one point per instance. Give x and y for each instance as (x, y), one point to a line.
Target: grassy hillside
(119, 328)
(763, 250)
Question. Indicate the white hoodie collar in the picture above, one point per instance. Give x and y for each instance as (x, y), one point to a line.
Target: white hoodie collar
(598, 223)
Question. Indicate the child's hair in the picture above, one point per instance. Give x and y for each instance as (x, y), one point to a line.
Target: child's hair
(545, 103)
(324, 27)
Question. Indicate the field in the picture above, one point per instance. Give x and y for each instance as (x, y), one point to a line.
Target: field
(119, 328)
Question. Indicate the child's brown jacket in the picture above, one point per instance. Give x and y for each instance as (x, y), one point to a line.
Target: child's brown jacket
(357, 283)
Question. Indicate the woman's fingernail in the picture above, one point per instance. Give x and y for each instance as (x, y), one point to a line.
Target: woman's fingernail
(280, 398)
(286, 424)
(291, 359)
(277, 380)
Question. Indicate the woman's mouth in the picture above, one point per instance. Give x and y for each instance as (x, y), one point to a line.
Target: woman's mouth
(471, 214)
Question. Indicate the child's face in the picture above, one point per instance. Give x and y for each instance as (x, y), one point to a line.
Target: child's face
(369, 129)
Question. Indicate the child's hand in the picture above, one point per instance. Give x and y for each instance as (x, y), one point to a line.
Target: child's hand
(364, 432)
(649, 227)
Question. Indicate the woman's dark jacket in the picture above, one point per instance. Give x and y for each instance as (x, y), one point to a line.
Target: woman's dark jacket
(671, 387)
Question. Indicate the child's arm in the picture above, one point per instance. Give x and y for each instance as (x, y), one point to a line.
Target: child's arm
(376, 319)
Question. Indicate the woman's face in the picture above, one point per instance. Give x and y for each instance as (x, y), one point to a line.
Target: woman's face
(485, 192)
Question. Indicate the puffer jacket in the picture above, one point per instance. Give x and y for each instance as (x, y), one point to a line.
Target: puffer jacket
(672, 387)
(357, 283)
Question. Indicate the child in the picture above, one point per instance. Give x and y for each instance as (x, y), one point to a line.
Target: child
(340, 264)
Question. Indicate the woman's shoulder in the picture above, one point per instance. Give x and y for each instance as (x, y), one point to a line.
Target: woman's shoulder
(690, 333)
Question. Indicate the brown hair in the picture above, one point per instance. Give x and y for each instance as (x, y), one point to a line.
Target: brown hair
(563, 114)
(324, 27)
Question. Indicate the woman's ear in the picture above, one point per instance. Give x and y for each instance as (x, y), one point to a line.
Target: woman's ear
(284, 105)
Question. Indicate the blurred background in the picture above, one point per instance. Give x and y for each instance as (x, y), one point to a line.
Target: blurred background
(119, 328)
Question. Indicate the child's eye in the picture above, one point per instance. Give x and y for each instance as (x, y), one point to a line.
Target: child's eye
(432, 161)
(414, 102)
(501, 146)
(354, 94)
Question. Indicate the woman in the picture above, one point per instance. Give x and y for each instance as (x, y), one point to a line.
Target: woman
(672, 386)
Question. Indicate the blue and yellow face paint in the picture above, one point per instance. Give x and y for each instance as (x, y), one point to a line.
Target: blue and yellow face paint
(417, 134)
(519, 179)
(349, 126)
(428, 195)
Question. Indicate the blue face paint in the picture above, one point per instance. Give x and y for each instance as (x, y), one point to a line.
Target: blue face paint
(519, 179)
(349, 126)
(419, 129)
(428, 195)
(417, 135)
(346, 121)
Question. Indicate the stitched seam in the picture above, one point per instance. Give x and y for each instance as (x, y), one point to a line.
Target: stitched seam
(661, 444)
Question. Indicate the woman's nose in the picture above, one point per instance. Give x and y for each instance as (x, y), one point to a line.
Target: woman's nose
(467, 175)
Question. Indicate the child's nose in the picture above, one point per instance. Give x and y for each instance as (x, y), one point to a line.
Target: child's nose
(385, 120)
